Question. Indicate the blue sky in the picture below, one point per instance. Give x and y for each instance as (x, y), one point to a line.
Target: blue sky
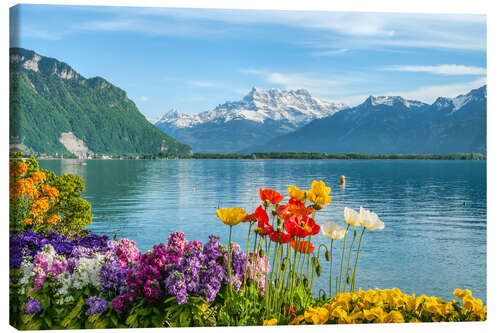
(195, 59)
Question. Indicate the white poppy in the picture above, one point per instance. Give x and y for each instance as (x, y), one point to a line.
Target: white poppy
(333, 231)
(351, 217)
(370, 220)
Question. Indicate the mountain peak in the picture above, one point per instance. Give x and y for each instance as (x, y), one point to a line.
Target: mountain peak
(461, 100)
(391, 101)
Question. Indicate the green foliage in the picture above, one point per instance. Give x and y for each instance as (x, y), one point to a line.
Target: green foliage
(44, 104)
(75, 211)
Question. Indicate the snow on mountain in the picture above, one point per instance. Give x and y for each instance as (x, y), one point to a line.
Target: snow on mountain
(295, 106)
(393, 100)
(461, 100)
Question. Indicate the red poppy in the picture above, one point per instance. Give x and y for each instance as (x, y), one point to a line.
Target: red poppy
(303, 246)
(283, 237)
(301, 226)
(282, 211)
(261, 215)
(270, 196)
(298, 208)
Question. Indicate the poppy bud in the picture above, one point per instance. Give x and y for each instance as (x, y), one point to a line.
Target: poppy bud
(355, 234)
(317, 206)
(314, 261)
(278, 229)
(323, 297)
(327, 255)
(306, 281)
(274, 212)
(318, 270)
(261, 253)
(249, 282)
(347, 278)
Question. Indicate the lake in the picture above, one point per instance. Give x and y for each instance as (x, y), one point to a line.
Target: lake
(434, 211)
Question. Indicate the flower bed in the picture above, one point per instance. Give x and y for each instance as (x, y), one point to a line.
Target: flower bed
(82, 280)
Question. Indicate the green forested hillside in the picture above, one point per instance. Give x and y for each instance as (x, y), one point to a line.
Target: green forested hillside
(48, 97)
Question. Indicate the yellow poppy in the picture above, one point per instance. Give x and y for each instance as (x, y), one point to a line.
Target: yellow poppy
(297, 194)
(319, 193)
(231, 216)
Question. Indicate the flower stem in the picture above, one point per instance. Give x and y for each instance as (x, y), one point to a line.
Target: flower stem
(356, 264)
(331, 267)
(349, 260)
(229, 268)
(342, 261)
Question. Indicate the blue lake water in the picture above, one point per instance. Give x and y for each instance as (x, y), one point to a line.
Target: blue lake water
(434, 211)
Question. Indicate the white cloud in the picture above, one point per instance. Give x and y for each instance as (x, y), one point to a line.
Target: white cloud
(329, 52)
(318, 85)
(144, 98)
(439, 69)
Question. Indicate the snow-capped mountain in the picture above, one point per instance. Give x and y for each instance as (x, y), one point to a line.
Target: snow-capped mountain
(393, 101)
(456, 103)
(392, 124)
(261, 114)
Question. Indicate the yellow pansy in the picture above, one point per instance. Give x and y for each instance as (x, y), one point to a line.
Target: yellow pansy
(462, 293)
(319, 193)
(317, 316)
(270, 322)
(394, 317)
(231, 216)
(297, 194)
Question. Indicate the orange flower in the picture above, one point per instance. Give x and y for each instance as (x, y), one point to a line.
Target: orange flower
(270, 196)
(28, 221)
(303, 246)
(298, 208)
(21, 169)
(54, 219)
(38, 177)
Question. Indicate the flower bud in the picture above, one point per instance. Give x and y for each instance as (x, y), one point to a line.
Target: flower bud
(323, 297)
(318, 270)
(347, 278)
(317, 206)
(283, 266)
(327, 255)
(249, 282)
(274, 212)
(278, 229)
(306, 281)
(355, 234)
(314, 261)
(261, 253)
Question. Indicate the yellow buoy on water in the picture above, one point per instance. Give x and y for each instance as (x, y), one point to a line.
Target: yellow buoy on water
(342, 180)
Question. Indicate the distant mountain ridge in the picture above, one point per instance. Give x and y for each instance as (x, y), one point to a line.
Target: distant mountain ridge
(261, 114)
(53, 109)
(392, 124)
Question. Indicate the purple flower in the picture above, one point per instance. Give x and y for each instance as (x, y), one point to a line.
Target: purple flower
(123, 303)
(96, 305)
(176, 286)
(176, 245)
(32, 306)
(112, 277)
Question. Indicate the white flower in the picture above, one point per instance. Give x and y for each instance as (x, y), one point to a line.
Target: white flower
(87, 271)
(333, 231)
(351, 217)
(370, 220)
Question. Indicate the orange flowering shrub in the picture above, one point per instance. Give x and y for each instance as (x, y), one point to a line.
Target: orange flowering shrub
(42, 201)
(31, 200)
